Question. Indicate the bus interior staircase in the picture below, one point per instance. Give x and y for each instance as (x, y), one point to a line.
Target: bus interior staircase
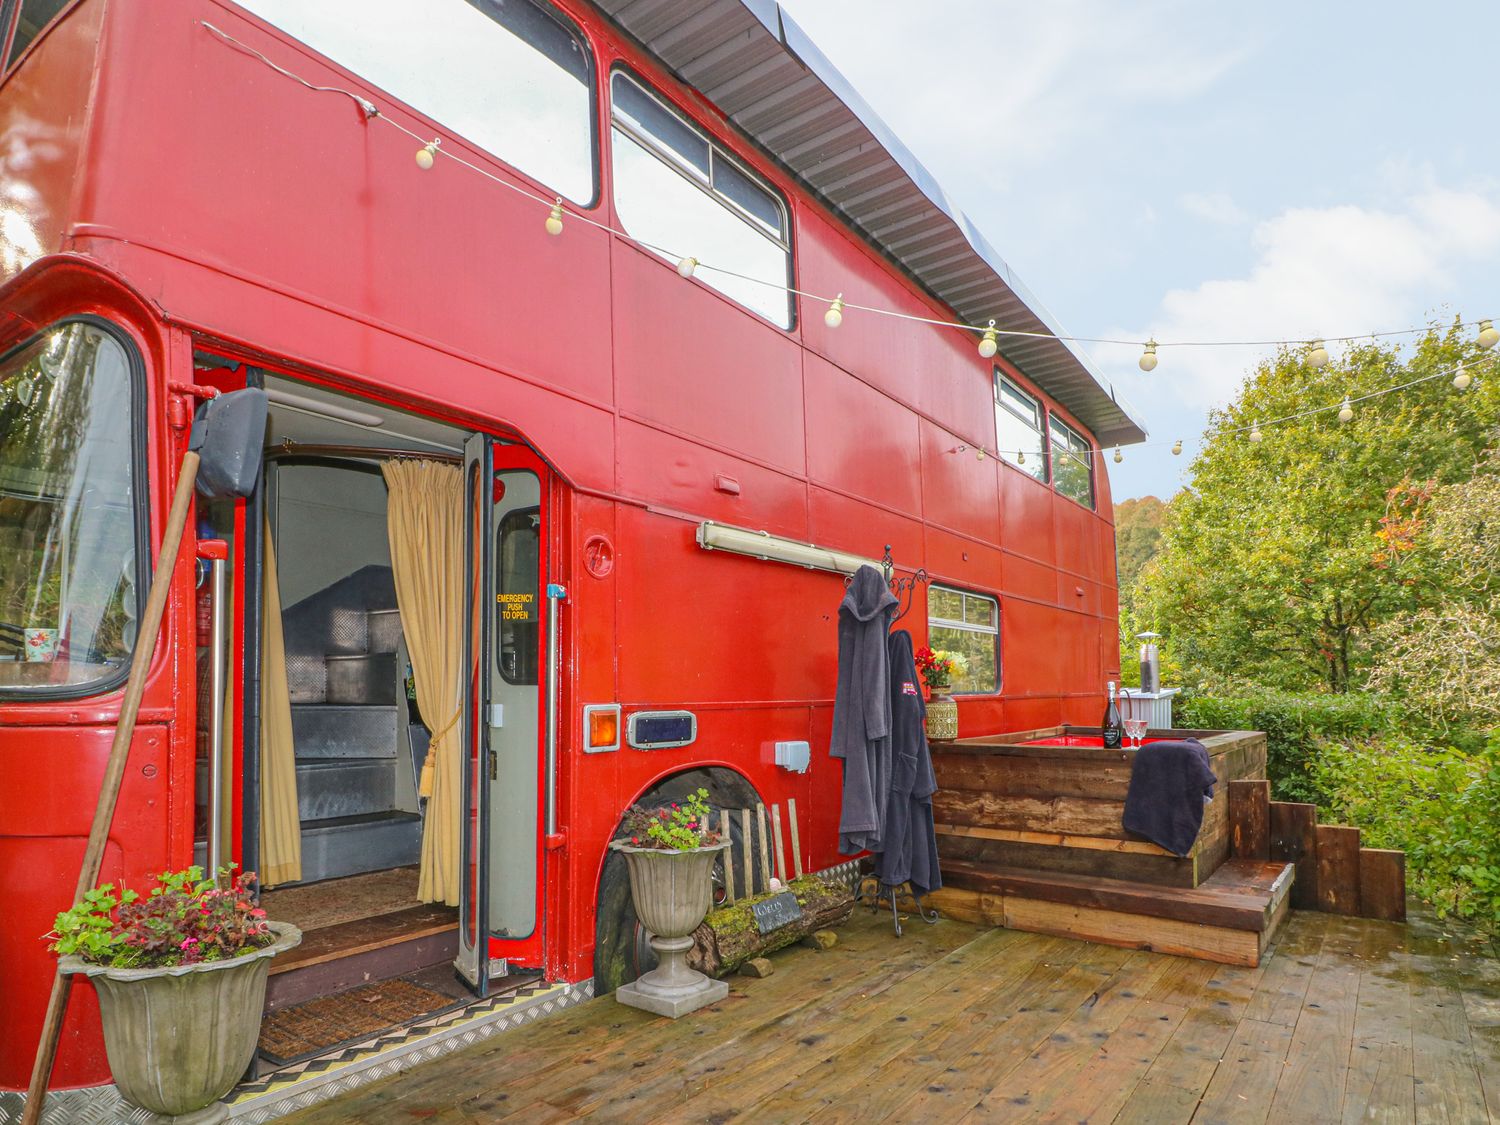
(359, 751)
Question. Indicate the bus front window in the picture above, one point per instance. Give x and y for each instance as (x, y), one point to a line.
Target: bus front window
(69, 580)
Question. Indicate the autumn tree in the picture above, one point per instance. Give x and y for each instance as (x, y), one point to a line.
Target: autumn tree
(1276, 564)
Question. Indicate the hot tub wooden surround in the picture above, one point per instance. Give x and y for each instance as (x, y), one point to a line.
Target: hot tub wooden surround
(1059, 808)
(1030, 837)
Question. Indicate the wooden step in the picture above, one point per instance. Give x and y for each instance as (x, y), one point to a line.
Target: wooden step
(333, 958)
(1232, 917)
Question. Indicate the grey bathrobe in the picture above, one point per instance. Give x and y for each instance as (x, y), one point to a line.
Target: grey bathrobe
(910, 843)
(862, 710)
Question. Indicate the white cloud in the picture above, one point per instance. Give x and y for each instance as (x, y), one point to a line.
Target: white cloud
(1214, 207)
(1319, 271)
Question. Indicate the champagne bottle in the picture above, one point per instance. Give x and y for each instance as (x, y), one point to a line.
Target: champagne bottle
(1114, 729)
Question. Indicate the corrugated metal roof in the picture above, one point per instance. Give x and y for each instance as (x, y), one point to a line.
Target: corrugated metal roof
(763, 72)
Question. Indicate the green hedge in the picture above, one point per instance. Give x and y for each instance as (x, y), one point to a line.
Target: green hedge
(1295, 725)
(1439, 805)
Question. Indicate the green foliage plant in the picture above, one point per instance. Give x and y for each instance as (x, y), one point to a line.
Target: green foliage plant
(1271, 569)
(185, 919)
(680, 826)
(1297, 727)
(1439, 805)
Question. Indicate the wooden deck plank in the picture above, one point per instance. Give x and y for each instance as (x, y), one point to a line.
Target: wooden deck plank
(1008, 1038)
(800, 1077)
(1154, 1102)
(1346, 1020)
(1048, 1073)
(1311, 1087)
(1240, 1091)
(1283, 988)
(666, 1058)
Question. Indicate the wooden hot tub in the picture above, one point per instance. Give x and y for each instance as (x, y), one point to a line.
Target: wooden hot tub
(1052, 800)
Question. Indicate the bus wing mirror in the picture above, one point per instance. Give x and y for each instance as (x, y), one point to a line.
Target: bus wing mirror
(228, 434)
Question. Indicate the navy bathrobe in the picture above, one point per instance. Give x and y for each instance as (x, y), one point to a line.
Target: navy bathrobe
(862, 710)
(910, 851)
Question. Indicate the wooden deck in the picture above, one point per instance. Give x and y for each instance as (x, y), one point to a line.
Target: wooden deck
(1346, 1020)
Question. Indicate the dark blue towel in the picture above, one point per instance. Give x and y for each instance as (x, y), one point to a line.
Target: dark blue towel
(1169, 784)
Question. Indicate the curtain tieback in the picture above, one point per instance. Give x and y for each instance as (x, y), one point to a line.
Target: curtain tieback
(429, 766)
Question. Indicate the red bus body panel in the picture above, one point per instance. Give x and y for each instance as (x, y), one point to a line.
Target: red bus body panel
(183, 189)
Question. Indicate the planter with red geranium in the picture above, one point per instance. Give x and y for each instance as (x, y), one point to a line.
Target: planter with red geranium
(181, 979)
(670, 854)
(938, 669)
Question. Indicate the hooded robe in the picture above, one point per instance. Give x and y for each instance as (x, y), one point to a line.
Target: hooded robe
(862, 710)
(910, 837)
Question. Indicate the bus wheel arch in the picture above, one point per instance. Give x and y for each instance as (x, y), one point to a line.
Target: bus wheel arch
(621, 949)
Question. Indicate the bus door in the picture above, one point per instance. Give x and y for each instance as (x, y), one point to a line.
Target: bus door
(506, 492)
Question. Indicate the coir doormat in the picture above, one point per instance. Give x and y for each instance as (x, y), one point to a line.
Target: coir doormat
(304, 1030)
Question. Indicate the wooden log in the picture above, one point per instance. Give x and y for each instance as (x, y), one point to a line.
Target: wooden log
(1250, 819)
(821, 939)
(1294, 839)
(765, 856)
(1382, 884)
(1338, 869)
(776, 839)
(747, 849)
(729, 937)
(757, 967)
(791, 815)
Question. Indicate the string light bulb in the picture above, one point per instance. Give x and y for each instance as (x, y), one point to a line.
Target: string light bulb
(990, 344)
(1255, 434)
(1020, 457)
(1462, 380)
(1177, 448)
(555, 218)
(1489, 335)
(1346, 411)
(1317, 354)
(427, 155)
(835, 314)
(1148, 357)
(1118, 455)
(686, 267)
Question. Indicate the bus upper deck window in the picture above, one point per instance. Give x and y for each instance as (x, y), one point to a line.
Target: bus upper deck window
(69, 566)
(508, 75)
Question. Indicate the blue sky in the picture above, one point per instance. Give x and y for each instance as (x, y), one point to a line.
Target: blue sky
(1201, 170)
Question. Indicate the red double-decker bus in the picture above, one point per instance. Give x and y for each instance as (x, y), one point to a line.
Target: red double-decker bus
(562, 472)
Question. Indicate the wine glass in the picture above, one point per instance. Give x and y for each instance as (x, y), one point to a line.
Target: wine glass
(1135, 728)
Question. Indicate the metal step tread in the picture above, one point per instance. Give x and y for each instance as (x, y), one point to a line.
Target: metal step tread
(334, 823)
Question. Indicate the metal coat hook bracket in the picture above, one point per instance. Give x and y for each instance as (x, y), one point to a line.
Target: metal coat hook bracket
(905, 584)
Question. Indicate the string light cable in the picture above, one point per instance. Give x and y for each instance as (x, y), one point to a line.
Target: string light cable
(1460, 378)
(430, 150)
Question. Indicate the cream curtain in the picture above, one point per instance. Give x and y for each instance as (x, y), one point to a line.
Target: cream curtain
(280, 826)
(426, 524)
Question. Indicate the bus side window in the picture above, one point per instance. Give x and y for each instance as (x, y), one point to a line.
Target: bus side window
(509, 75)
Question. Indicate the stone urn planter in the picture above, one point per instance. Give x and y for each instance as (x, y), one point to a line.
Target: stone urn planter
(179, 1038)
(942, 716)
(672, 891)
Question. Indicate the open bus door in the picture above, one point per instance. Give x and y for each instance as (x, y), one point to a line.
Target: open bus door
(506, 535)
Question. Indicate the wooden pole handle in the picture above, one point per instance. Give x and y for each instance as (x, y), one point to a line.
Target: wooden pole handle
(114, 770)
